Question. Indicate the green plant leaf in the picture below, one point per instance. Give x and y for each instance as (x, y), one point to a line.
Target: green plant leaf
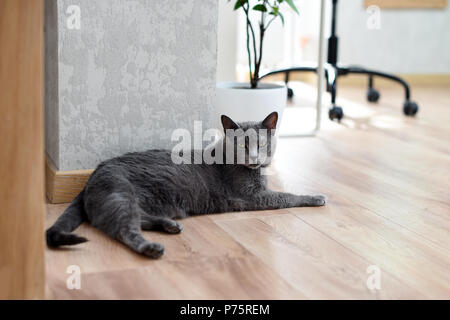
(292, 5)
(239, 3)
(260, 7)
(278, 14)
(281, 17)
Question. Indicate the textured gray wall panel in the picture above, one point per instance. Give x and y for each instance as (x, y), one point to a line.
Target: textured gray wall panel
(51, 81)
(134, 72)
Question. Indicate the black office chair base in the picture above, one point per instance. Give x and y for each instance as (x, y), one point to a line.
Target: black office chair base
(333, 72)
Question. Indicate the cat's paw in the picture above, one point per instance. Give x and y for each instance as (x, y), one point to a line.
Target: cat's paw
(319, 200)
(173, 227)
(153, 250)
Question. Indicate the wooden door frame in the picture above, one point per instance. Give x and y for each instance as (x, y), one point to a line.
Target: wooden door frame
(22, 265)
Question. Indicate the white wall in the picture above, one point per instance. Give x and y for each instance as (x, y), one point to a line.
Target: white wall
(226, 42)
(409, 41)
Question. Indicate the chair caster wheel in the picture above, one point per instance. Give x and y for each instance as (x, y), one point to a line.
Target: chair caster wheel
(373, 95)
(290, 93)
(335, 113)
(410, 108)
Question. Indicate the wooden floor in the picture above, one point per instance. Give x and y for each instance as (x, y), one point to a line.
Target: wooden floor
(387, 179)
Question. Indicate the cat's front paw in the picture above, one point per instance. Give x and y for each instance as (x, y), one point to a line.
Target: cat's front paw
(153, 250)
(173, 227)
(319, 200)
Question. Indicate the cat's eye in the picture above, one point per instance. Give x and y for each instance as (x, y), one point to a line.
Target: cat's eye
(241, 145)
(262, 143)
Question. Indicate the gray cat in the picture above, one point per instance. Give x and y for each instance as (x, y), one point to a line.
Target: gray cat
(147, 191)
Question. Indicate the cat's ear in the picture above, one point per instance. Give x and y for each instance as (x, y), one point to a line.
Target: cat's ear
(270, 122)
(228, 124)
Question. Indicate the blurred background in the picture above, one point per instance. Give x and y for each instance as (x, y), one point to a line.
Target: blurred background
(413, 41)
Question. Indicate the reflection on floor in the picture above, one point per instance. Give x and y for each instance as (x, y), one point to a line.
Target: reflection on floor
(387, 180)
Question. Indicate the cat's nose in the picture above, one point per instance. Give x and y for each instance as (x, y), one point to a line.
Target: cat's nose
(253, 154)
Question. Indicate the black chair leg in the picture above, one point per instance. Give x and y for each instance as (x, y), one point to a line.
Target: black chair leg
(311, 68)
(410, 108)
(335, 112)
(372, 94)
(290, 92)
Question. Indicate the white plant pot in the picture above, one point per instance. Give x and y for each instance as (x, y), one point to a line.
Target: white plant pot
(237, 101)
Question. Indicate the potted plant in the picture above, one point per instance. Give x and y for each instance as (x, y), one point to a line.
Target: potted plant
(254, 100)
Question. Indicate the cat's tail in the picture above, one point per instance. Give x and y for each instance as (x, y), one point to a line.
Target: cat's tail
(59, 234)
